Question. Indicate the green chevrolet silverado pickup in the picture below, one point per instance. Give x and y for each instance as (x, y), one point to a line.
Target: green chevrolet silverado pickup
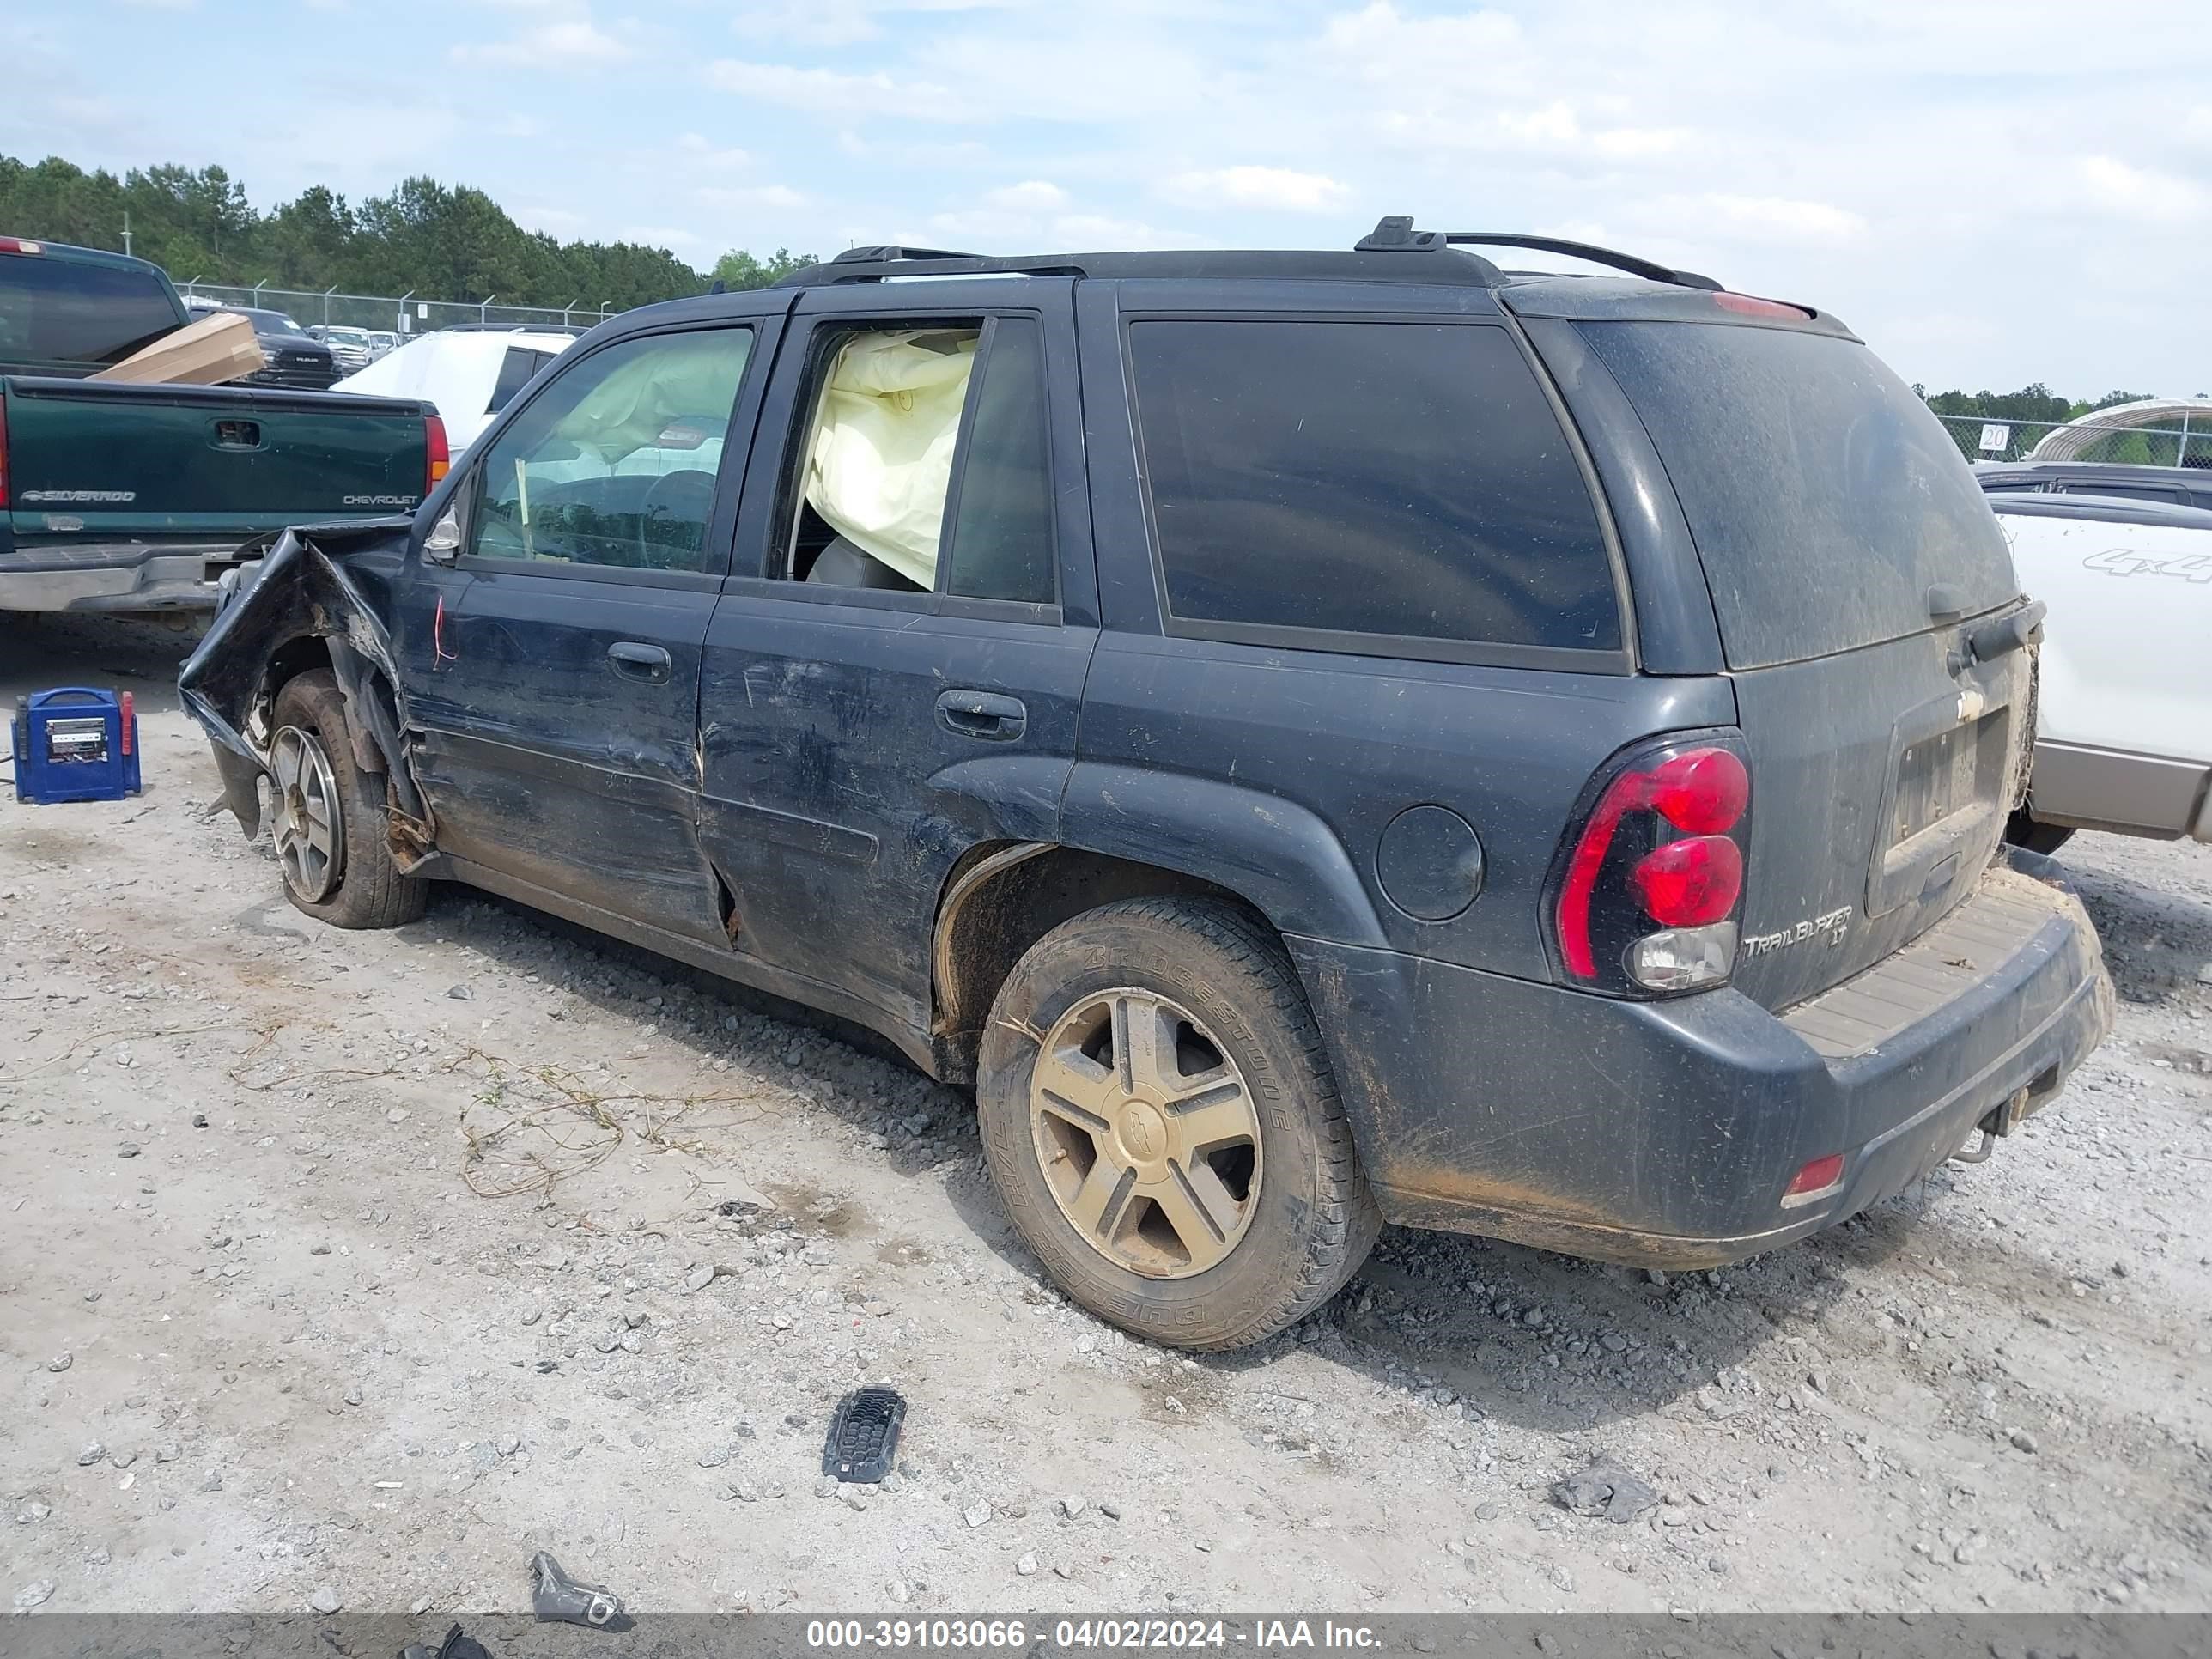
(122, 497)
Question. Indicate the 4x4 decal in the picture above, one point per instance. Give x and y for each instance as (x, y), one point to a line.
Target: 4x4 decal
(2125, 561)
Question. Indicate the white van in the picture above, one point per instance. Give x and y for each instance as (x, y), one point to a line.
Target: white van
(469, 373)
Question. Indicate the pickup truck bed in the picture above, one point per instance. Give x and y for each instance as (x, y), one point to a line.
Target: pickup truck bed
(117, 495)
(123, 497)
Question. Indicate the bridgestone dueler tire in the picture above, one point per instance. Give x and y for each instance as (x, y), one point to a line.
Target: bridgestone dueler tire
(371, 891)
(1314, 1219)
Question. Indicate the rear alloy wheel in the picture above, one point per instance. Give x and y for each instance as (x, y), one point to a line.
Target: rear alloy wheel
(1159, 1116)
(306, 821)
(1146, 1134)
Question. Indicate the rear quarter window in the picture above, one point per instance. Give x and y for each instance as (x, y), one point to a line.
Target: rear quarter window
(1824, 499)
(1400, 481)
(516, 370)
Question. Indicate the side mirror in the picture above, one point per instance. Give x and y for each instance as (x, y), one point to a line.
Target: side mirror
(443, 544)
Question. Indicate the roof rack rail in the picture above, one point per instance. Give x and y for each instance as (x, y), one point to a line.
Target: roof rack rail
(896, 263)
(876, 256)
(875, 264)
(1396, 233)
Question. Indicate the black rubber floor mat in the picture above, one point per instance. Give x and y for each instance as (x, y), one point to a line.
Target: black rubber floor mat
(864, 1435)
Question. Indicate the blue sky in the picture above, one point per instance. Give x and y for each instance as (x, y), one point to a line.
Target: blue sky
(1990, 190)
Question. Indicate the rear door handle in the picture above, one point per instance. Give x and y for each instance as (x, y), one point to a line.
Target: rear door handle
(983, 714)
(635, 660)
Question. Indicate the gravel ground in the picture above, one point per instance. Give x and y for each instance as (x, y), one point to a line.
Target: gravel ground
(351, 1268)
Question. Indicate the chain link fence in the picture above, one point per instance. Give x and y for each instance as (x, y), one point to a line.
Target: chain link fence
(1981, 438)
(404, 315)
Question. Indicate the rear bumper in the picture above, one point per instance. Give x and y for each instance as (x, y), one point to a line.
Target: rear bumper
(127, 576)
(1664, 1135)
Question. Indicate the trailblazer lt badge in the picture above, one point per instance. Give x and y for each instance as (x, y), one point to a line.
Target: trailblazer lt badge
(1830, 929)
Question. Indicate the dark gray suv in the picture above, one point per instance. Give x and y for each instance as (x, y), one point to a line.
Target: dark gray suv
(1314, 739)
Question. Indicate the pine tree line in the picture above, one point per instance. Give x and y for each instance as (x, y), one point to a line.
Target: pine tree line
(447, 242)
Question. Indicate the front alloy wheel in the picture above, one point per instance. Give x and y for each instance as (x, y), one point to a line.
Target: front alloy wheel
(1146, 1133)
(306, 824)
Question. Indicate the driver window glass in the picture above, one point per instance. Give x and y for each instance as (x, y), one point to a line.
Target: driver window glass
(614, 463)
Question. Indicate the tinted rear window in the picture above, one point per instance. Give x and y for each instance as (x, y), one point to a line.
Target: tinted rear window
(1407, 480)
(1824, 499)
(58, 311)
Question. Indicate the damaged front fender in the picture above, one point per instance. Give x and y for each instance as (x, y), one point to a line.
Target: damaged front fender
(301, 590)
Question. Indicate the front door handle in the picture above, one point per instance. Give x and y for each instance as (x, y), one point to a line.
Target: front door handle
(984, 714)
(634, 660)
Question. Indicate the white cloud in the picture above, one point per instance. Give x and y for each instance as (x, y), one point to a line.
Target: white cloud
(88, 112)
(563, 222)
(1276, 188)
(837, 22)
(1081, 231)
(808, 23)
(832, 92)
(697, 150)
(566, 43)
(1635, 143)
(1017, 216)
(1379, 40)
(1030, 196)
(675, 239)
(772, 196)
(1776, 217)
(902, 151)
(359, 146)
(2104, 185)
(1096, 66)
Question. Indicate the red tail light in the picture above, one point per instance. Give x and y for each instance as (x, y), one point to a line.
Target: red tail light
(1817, 1177)
(1644, 896)
(1703, 792)
(1690, 883)
(440, 458)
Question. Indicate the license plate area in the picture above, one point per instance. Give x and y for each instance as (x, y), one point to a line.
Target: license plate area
(1947, 773)
(1944, 803)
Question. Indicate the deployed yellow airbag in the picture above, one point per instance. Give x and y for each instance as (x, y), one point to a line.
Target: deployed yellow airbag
(884, 438)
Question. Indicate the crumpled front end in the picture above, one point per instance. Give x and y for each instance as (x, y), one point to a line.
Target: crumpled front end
(300, 606)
